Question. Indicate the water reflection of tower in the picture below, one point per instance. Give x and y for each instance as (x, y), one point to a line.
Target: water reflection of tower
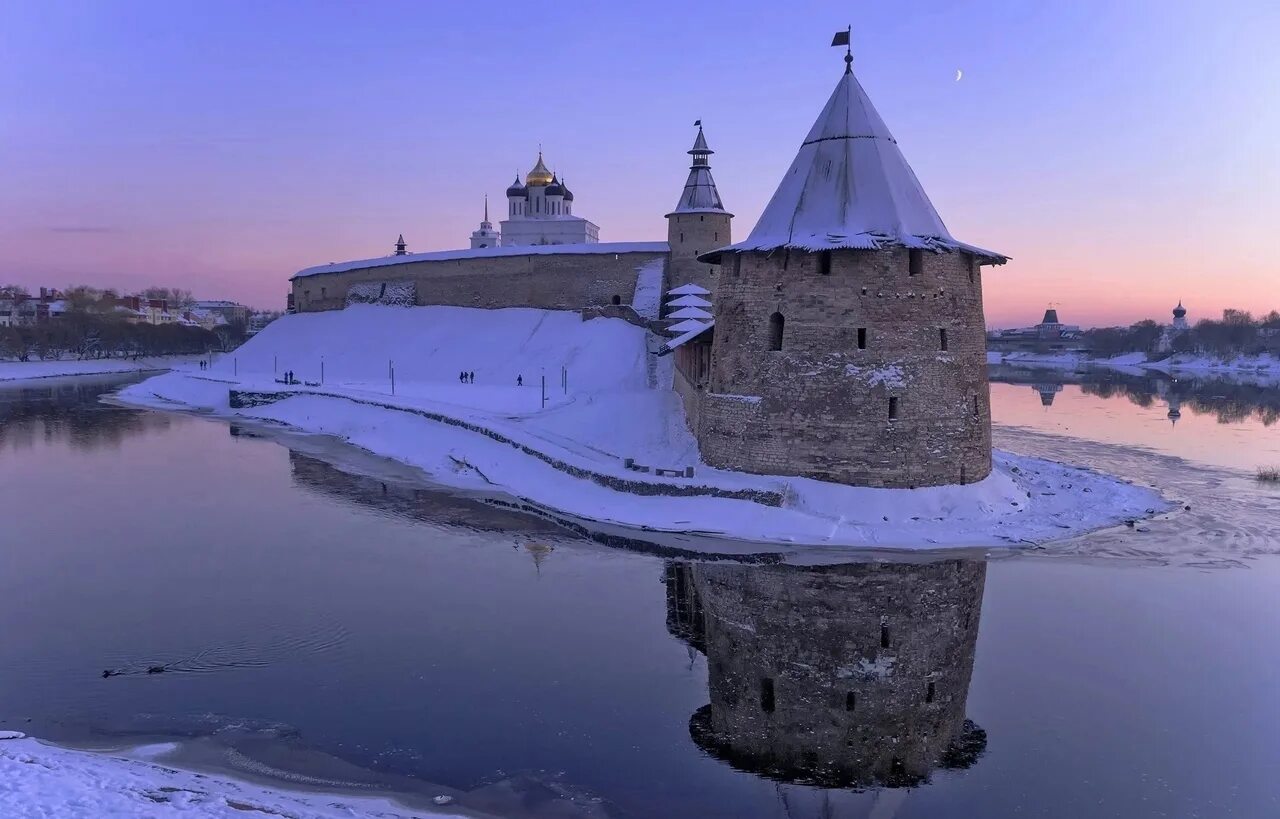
(1175, 408)
(1047, 392)
(841, 676)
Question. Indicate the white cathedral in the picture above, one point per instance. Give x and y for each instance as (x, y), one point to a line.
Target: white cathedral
(539, 212)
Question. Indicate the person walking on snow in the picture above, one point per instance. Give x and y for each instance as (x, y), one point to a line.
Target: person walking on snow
(519, 380)
(471, 377)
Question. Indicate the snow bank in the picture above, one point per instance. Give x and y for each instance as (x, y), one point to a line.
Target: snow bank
(1264, 366)
(482, 436)
(31, 370)
(37, 779)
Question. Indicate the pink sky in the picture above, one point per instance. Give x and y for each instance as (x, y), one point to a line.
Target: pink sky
(1124, 157)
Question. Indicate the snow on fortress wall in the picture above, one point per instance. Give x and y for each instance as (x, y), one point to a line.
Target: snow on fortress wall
(552, 277)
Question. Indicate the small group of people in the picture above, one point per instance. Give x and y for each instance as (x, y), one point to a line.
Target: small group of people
(204, 365)
(467, 377)
(288, 377)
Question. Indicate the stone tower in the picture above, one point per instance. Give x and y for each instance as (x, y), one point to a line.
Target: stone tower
(849, 339)
(698, 224)
(485, 235)
(870, 691)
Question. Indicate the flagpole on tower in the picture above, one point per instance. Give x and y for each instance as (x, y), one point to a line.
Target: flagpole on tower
(844, 38)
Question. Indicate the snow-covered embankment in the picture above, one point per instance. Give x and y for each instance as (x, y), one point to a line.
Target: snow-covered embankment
(38, 779)
(600, 410)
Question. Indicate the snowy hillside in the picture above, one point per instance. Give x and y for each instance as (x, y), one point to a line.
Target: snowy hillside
(570, 456)
(431, 345)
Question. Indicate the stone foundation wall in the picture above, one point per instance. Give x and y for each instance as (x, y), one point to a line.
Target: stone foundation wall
(823, 407)
(550, 281)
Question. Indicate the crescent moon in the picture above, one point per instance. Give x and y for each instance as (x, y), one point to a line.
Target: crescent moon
(959, 74)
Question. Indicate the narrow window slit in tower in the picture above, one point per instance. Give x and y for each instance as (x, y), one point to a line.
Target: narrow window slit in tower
(766, 695)
(862, 338)
(893, 411)
(915, 262)
(884, 628)
(942, 339)
(850, 701)
(976, 411)
(776, 325)
(928, 694)
(824, 263)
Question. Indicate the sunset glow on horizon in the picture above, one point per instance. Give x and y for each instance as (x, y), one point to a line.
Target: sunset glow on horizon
(1123, 157)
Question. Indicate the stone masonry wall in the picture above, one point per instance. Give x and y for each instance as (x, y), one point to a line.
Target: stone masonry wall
(820, 405)
(689, 234)
(849, 675)
(549, 281)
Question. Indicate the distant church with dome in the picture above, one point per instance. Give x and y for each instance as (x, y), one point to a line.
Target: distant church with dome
(539, 212)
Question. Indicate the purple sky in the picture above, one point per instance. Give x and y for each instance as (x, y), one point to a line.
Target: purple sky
(1124, 153)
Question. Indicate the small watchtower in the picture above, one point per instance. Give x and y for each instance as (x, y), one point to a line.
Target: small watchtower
(849, 337)
(698, 224)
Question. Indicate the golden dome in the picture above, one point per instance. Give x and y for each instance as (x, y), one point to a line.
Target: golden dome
(539, 175)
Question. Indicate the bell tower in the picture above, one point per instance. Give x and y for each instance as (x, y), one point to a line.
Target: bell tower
(699, 223)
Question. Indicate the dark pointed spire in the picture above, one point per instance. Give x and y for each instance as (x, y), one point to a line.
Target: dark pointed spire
(699, 192)
(400, 246)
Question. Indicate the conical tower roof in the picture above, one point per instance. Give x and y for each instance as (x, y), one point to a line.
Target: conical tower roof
(850, 187)
(699, 193)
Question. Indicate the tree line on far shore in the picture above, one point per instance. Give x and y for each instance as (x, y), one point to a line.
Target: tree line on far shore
(94, 328)
(1236, 333)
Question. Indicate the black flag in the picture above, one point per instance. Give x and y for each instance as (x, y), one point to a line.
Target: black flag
(841, 39)
(698, 123)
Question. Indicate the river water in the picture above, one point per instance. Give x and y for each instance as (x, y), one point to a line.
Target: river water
(321, 616)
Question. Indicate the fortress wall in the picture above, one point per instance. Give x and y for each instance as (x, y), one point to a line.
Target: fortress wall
(567, 281)
(823, 403)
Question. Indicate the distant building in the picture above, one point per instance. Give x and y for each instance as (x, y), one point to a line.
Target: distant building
(540, 212)
(1048, 337)
(485, 235)
(24, 310)
(1174, 329)
(232, 312)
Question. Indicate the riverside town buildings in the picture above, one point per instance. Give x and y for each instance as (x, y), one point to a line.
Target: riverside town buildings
(842, 340)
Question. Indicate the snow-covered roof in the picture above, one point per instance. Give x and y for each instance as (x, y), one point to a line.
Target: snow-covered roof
(689, 301)
(681, 339)
(484, 252)
(688, 290)
(690, 313)
(685, 326)
(850, 187)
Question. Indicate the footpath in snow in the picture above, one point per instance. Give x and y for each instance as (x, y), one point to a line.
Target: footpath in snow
(602, 408)
(14, 371)
(41, 780)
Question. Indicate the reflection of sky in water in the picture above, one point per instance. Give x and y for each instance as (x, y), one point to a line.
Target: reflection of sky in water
(407, 631)
(1138, 415)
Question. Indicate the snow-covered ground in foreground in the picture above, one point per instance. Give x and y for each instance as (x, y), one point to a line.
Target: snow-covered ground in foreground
(1260, 365)
(41, 780)
(32, 370)
(616, 407)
